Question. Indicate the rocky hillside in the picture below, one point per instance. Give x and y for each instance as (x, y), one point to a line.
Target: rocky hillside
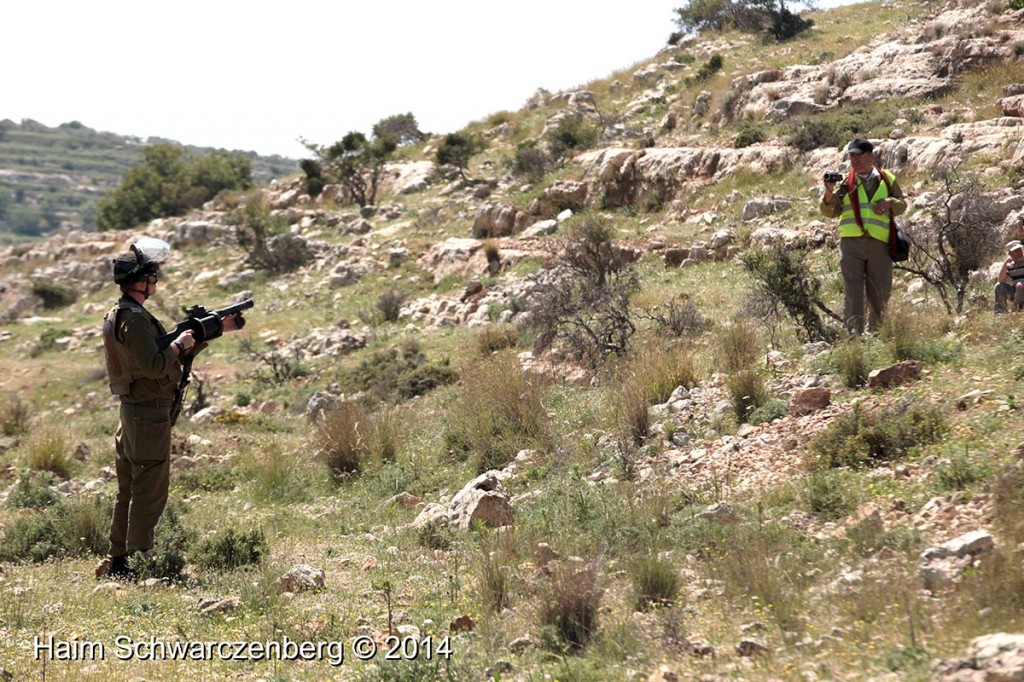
(51, 178)
(725, 497)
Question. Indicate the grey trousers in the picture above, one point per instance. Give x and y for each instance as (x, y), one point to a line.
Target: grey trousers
(1008, 292)
(867, 274)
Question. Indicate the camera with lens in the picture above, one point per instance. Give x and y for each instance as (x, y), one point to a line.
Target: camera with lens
(833, 176)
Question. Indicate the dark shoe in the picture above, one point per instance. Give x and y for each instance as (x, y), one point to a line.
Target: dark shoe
(120, 570)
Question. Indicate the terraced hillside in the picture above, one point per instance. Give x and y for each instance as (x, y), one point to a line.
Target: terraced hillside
(52, 178)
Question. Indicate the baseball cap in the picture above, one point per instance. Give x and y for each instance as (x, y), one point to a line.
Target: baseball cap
(860, 146)
(1015, 244)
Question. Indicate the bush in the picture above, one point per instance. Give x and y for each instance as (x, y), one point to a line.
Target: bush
(398, 373)
(860, 439)
(737, 347)
(808, 134)
(350, 436)
(748, 135)
(53, 295)
(747, 392)
(169, 181)
(853, 368)
(768, 412)
(167, 558)
(496, 337)
(33, 491)
(456, 149)
(229, 549)
(678, 317)
(828, 494)
(390, 304)
(656, 582)
(73, 528)
(957, 473)
(49, 449)
(571, 606)
(530, 161)
(785, 285)
(910, 335)
(709, 68)
(265, 238)
(588, 308)
(498, 412)
(574, 132)
(497, 561)
(15, 416)
(276, 476)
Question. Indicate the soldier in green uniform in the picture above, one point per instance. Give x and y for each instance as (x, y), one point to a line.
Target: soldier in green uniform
(145, 377)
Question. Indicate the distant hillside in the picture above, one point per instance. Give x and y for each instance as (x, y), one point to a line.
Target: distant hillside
(52, 178)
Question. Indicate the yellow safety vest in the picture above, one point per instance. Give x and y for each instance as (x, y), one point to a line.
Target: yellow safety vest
(876, 224)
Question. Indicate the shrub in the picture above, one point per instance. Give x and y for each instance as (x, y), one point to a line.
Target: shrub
(169, 181)
(434, 536)
(53, 295)
(49, 449)
(339, 437)
(496, 337)
(530, 161)
(737, 347)
(574, 132)
(498, 412)
(33, 491)
(398, 373)
(265, 238)
(589, 307)
(958, 472)
(909, 335)
(497, 559)
(456, 149)
(390, 304)
(808, 134)
(678, 317)
(768, 412)
(15, 416)
(656, 582)
(747, 392)
(166, 560)
(785, 285)
(709, 68)
(274, 475)
(860, 439)
(73, 528)
(828, 494)
(571, 605)
(277, 368)
(853, 368)
(230, 548)
(748, 135)
(356, 163)
(314, 177)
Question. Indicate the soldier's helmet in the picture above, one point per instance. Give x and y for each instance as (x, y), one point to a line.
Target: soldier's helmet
(142, 260)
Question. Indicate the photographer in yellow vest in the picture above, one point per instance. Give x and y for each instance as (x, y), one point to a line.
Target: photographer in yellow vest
(863, 202)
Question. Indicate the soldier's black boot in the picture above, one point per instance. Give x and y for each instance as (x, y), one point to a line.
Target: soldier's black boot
(120, 570)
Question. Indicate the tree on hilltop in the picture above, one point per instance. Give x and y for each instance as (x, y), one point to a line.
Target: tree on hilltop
(402, 128)
(355, 162)
(770, 17)
(456, 149)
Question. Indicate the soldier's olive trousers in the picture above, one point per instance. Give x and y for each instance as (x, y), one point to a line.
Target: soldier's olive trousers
(867, 270)
(143, 444)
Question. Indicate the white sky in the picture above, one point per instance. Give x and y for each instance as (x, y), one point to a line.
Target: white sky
(258, 76)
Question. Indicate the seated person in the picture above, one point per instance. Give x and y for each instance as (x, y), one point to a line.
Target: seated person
(1010, 286)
